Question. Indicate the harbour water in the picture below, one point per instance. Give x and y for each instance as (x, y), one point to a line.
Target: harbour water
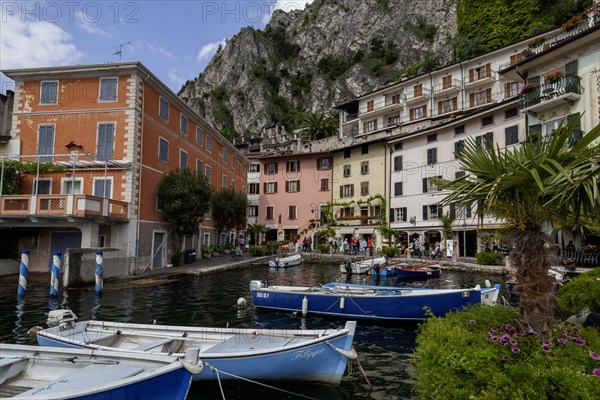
(384, 350)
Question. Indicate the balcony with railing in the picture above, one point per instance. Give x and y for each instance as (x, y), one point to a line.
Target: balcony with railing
(384, 104)
(481, 77)
(49, 205)
(447, 89)
(417, 96)
(538, 98)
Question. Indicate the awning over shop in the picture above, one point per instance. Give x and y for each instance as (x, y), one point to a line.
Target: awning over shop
(363, 231)
(346, 231)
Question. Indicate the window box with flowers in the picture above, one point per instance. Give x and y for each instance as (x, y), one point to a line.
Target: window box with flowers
(572, 23)
(528, 88)
(554, 77)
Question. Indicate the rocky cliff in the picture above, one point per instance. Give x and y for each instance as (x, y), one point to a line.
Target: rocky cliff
(307, 61)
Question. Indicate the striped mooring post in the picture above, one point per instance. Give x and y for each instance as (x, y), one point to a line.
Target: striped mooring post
(99, 273)
(55, 274)
(23, 268)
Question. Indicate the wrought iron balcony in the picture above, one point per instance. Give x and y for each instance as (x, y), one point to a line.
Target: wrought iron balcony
(545, 96)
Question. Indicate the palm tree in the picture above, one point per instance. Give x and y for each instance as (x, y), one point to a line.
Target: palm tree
(318, 126)
(257, 230)
(545, 182)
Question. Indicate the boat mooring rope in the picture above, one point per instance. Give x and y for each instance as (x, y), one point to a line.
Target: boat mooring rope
(216, 370)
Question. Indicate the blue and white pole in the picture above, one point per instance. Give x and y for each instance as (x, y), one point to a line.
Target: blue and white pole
(99, 273)
(55, 274)
(23, 268)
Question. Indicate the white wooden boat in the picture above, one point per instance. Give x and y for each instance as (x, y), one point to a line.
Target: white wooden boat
(35, 372)
(287, 261)
(258, 354)
(362, 266)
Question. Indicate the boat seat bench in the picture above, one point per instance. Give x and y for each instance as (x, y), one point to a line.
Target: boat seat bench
(237, 344)
(153, 344)
(90, 376)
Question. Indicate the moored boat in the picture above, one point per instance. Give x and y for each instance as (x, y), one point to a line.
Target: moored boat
(362, 266)
(35, 372)
(405, 271)
(257, 354)
(286, 261)
(386, 303)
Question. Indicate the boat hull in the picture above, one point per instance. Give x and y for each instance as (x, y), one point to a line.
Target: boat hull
(270, 355)
(394, 305)
(285, 262)
(362, 266)
(50, 373)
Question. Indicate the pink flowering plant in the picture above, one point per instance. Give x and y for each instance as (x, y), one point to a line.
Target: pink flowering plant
(485, 353)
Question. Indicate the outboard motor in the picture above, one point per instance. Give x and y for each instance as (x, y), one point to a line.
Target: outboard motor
(65, 319)
(256, 284)
(377, 269)
(348, 267)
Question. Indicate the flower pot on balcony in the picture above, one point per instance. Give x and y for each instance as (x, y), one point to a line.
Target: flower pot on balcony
(528, 88)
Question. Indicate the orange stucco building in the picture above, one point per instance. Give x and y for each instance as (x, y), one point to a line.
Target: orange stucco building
(110, 132)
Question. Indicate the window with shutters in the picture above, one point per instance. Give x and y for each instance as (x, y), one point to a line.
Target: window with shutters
(429, 185)
(49, 92)
(398, 214)
(253, 211)
(458, 146)
(254, 188)
(293, 166)
(163, 109)
(432, 211)
(364, 188)
(370, 105)
(163, 150)
(459, 130)
(447, 82)
(417, 113)
(108, 89)
(103, 188)
(396, 99)
(183, 124)
(42, 186)
(432, 156)
(346, 170)
(515, 58)
(104, 146)
(292, 186)
(476, 74)
(480, 98)
(347, 212)
(324, 164)
(511, 135)
(512, 89)
(71, 186)
(254, 168)
(346, 191)
(370, 126)
(270, 214)
(324, 185)
(270, 187)
(395, 120)
(292, 212)
(398, 189)
(486, 140)
(446, 106)
(183, 159)
(418, 90)
(271, 168)
(397, 163)
(364, 167)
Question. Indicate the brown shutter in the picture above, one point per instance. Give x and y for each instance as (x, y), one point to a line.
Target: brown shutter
(287, 166)
(488, 70)
(412, 114)
(352, 190)
(341, 191)
(276, 166)
(265, 187)
(488, 95)
(318, 164)
(275, 187)
(471, 75)
(425, 110)
(298, 185)
(440, 107)
(507, 91)
(471, 99)
(287, 186)
(298, 166)
(454, 104)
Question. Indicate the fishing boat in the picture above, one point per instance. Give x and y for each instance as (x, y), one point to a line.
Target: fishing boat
(34, 372)
(405, 271)
(286, 261)
(362, 266)
(385, 303)
(228, 353)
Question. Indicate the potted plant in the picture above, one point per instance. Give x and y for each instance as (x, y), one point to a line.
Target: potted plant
(572, 23)
(217, 250)
(538, 41)
(528, 88)
(207, 251)
(554, 77)
(227, 248)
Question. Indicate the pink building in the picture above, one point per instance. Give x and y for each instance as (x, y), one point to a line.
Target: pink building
(292, 191)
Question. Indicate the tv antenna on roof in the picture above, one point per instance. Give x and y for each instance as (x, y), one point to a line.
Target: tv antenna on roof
(119, 50)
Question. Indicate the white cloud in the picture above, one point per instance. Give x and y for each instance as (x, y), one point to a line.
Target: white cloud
(30, 44)
(209, 49)
(162, 51)
(176, 79)
(90, 26)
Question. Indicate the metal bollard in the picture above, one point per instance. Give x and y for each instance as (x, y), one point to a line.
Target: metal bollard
(55, 274)
(99, 273)
(23, 268)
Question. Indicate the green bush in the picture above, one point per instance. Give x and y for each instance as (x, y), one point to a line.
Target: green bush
(390, 251)
(324, 248)
(580, 293)
(484, 353)
(177, 257)
(207, 249)
(217, 249)
(490, 258)
(257, 251)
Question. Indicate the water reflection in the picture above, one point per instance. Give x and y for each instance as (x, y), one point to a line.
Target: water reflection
(384, 350)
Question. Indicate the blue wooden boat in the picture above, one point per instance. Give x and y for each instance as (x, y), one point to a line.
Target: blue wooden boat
(352, 301)
(253, 353)
(34, 372)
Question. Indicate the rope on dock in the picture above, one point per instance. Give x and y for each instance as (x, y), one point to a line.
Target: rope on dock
(217, 371)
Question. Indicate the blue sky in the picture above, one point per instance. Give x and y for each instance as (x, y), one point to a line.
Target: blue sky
(174, 39)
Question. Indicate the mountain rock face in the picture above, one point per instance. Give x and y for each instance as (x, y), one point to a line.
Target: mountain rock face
(308, 61)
